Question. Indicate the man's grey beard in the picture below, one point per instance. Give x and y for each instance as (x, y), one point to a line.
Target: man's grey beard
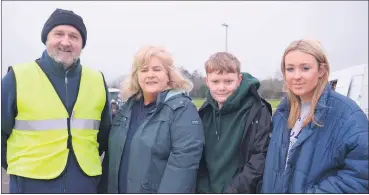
(71, 60)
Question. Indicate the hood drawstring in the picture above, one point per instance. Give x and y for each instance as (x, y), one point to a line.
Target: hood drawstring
(217, 130)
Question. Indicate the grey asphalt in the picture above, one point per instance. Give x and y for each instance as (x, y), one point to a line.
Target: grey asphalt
(4, 182)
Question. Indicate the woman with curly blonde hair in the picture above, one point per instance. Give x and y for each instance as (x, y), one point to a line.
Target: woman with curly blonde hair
(157, 136)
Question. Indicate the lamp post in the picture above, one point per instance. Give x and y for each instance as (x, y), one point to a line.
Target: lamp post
(226, 36)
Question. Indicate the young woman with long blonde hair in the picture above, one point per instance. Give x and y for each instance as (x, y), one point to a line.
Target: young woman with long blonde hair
(319, 141)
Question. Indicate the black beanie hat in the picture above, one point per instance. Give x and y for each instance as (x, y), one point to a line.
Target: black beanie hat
(64, 17)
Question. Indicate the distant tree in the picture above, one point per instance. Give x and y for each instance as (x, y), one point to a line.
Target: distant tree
(198, 81)
(203, 90)
(271, 88)
(278, 75)
(185, 73)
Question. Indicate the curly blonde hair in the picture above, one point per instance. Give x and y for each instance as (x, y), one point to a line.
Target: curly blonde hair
(176, 81)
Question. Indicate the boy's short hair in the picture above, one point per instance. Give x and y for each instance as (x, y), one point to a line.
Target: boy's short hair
(222, 62)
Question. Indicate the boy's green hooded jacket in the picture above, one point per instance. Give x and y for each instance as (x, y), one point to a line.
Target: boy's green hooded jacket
(224, 132)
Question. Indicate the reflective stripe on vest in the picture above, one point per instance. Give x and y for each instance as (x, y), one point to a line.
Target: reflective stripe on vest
(56, 124)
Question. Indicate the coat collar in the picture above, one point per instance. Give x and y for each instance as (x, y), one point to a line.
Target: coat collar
(320, 110)
(50, 66)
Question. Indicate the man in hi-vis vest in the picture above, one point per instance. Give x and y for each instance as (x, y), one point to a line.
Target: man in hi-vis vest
(55, 115)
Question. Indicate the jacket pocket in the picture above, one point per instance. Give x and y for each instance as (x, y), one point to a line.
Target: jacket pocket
(148, 187)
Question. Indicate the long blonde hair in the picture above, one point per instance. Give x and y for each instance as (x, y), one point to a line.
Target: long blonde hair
(176, 81)
(315, 49)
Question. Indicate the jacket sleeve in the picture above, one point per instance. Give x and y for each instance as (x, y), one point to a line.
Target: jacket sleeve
(202, 176)
(353, 177)
(105, 124)
(202, 173)
(250, 179)
(102, 187)
(8, 112)
(103, 138)
(187, 138)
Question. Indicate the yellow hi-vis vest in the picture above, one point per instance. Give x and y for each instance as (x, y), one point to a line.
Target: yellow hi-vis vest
(37, 147)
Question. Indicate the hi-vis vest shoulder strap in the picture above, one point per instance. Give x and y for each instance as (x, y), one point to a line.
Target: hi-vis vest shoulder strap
(37, 147)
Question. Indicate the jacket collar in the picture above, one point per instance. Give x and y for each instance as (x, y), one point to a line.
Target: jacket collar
(163, 98)
(51, 67)
(252, 91)
(320, 110)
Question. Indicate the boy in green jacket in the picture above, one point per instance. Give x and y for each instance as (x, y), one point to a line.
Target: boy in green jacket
(237, 125)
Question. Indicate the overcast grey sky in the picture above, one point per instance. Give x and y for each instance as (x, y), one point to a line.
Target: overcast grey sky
(258, 32)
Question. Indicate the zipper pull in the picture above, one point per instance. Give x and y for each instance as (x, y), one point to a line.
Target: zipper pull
(216, 133)
(72, 116)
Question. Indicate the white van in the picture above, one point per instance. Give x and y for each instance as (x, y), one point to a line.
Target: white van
(352, 82)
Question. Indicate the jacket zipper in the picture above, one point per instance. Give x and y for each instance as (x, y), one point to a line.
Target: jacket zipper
(287, 154)
(66, 105)
(66, 87)
(139, 128)
(69, 134)
(248, 125)
(65, 180)
(217, 132)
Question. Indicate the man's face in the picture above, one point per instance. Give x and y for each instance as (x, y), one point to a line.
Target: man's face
(64, 44)
(221, 86)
